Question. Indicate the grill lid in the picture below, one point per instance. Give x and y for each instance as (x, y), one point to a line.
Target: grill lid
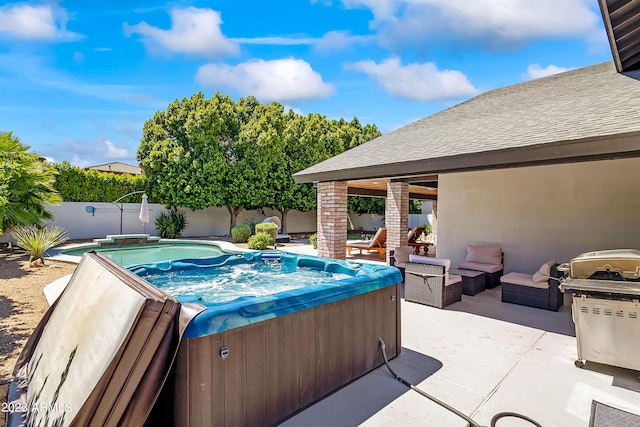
(616, 264)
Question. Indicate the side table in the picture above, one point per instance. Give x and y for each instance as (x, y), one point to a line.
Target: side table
(473, 282)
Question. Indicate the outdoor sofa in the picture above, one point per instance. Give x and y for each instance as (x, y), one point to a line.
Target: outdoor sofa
(539, 289)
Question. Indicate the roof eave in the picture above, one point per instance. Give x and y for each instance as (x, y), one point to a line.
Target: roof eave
(586, 149)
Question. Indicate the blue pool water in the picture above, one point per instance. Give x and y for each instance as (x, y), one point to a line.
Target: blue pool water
(127, 255)
(240, 289)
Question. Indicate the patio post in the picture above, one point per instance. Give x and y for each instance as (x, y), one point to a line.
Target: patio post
(332, 219)
(397, 215)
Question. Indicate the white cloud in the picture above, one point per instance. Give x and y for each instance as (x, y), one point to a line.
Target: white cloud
(535, 71)
(276, 41)
(281, 80)
(418, 82)
(490, 23)
(24, 21)
(382, 9)
(193, 32)
(114, 152)
(80, 162)
(37, 70)
(334, 40)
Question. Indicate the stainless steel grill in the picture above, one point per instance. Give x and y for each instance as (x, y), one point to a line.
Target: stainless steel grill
(606, 295)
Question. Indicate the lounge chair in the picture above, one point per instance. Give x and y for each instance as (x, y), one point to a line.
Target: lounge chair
(377, 244)
(428, 282)
(539, 289)
(412, 239)
(488, 259)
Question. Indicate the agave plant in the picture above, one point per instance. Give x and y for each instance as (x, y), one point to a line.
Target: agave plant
(37, 240)
(171, 224)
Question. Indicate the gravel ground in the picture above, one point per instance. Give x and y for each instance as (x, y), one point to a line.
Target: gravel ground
(22, 305)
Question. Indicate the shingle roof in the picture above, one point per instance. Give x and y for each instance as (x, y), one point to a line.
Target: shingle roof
(578, 105)
(117, 167)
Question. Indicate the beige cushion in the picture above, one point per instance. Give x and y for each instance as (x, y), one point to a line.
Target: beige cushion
(401, 254)
(421, 259)
(544, 272)
(484, 254)
(452, 279)
(523, 279)
(487, 268)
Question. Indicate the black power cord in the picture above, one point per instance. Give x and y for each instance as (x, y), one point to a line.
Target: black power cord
(450, 408)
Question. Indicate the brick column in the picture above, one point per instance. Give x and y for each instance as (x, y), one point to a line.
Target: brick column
(332, 219)
(397, 215)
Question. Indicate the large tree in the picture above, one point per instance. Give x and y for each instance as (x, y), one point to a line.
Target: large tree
(26, 184)
(259, 152)
(214, 152)
(186, 150)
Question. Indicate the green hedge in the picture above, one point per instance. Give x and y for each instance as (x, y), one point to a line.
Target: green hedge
(240, 233)
(269, 228)
(75, 184)
(260, 241)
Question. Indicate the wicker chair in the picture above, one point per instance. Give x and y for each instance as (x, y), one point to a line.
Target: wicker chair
(428, 282)
(539, 290)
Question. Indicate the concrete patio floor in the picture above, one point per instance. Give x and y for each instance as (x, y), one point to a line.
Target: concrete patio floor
(481, 356)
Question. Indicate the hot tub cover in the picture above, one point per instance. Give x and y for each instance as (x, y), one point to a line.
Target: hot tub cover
(100, 354)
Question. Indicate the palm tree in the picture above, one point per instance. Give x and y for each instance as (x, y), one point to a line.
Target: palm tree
(26, 184)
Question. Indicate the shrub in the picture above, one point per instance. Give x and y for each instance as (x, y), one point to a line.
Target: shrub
(269, 228)
(240, 233)
(251, 222)
(428, 229)
(260, 240)
(171, 224)
(36, 241)
(313, 240)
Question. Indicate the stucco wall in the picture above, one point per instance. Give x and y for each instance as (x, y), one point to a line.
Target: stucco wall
(541, 213)
(206, 222)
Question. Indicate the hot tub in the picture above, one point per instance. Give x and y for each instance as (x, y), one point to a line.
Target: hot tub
(257, 359)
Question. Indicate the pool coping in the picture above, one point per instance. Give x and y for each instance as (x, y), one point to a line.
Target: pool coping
(225, 246)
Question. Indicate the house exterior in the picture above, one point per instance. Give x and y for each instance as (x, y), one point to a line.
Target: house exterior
(116, 168)
(547, 169)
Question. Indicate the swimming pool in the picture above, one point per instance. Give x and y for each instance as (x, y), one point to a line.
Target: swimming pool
(255, 359)
(149, 251)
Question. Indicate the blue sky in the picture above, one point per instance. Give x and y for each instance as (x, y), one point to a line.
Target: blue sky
(78, 79)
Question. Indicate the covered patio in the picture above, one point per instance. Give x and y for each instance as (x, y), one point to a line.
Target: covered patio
(546, 169)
